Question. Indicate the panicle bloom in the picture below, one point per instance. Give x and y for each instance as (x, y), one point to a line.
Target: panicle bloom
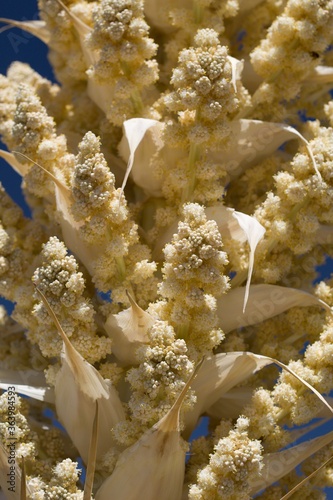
(198, 111)
(158, 380)
(193, 279)
(63, 285)
(179, 176)
(235, 460)
(105, 221)
(125, 69)
(294, 46)
(65, 52)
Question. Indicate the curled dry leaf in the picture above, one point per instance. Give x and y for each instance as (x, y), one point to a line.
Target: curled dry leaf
(265, 301)
(128, 331)
(153, 467)
(78, 387)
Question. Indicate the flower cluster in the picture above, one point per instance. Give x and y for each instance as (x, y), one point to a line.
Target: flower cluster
(180, 208)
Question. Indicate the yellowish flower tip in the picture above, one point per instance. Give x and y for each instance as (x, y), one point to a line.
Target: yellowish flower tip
(200, 163)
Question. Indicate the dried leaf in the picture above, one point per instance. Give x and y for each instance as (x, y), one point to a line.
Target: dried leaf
(254, 140)
(10, 476)
(78, 387)
(137, 147)
(254, 233)
(232, 403)
(299, 485)
(265, 301)
(40, 393)
(236, 71)
(220, 373)
(91, 464)
(20, 168)
(277, 465)
(321, 74)
(154, 466)
(128, 331)
(36, 28)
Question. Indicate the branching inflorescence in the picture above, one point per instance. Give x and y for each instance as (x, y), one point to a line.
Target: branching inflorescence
(181, 203)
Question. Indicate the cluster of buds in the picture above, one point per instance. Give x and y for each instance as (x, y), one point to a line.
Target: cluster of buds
(180, 205)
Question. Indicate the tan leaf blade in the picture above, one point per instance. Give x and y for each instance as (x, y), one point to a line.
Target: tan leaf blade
(264, 302)
(134, 135)
(91, 465)
(86, 376)
(220, 373)
(299, 485)
(128, 331)
(155, 463)
(27, 382)
(19, 168)
(13, 474)
(23, 482)
(277, 465)
(78, 386)
(254, 233)
(255, 140)
(36, 28)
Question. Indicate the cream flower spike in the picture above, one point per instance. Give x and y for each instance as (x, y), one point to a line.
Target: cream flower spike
(78, 387)
(82, 30)
(36, 28)
(128, 331)
(236, 225)
(156, 462)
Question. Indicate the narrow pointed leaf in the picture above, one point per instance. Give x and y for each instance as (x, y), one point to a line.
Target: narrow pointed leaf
(91, 465)
(40, 393)
(89, 380)
(128, 331)
(299, 485)
(254, 233)
(134, 136)
(304, 382)
(13, 487)
(78, 387)
(277, 465)
(321, 74)
(83, 30)
(23, 495)
(254, 140)
(236, 69)
(36, 28)
(154, 466)
(228, 224)
(19, 168)
(220, 373)
(80, 26)
(62, 192)
(265, 301)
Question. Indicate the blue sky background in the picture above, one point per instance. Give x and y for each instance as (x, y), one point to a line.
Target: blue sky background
(18, 45)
